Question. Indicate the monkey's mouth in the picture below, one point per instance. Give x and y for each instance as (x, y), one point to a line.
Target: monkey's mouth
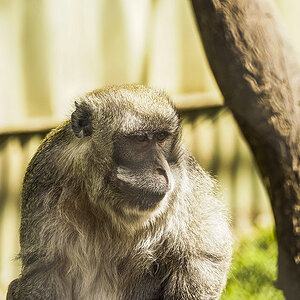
(142, 187)
(143, 198)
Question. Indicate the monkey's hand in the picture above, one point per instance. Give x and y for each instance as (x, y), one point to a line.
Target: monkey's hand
(201, 279)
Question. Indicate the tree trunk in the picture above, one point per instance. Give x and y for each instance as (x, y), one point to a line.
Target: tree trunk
(259, 77)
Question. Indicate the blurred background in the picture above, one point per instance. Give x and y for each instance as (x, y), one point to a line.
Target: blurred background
(53, 51)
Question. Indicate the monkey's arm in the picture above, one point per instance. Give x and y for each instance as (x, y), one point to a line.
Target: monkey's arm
(202, 279)
(12, 293)
(201, 254)
(37, 285)
(41, 276)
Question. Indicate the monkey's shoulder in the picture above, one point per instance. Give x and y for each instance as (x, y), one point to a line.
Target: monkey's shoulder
(207, 214)
(49, 150)
(42, 173)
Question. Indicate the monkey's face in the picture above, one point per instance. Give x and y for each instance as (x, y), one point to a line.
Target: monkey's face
(143, 173)
(134, 130)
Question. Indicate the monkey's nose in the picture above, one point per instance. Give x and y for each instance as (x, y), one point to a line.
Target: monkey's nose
(163, 173)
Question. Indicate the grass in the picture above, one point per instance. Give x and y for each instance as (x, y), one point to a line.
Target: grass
(253, 270)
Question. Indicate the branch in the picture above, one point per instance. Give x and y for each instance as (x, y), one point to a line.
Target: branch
(259, 77)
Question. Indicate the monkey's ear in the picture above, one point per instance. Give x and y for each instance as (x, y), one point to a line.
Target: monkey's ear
(81, 120)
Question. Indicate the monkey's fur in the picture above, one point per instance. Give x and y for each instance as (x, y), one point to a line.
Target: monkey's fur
(114, 207)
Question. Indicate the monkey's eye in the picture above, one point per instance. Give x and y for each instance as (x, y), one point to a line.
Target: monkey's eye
(141, 138)
(141, 142)
(161, 136)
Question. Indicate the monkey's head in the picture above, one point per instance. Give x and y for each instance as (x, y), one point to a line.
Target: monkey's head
(132, 135)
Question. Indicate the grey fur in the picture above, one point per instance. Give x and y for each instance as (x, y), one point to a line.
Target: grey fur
(79, 240)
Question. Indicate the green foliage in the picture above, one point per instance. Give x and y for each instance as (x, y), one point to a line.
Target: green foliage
(254, 268)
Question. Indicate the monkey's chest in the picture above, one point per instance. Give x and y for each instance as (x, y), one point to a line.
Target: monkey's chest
(127, 280)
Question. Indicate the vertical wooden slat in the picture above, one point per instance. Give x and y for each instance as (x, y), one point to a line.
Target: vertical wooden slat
(194, 71)
(115, 45)
(261, 207)
(227, 146)
(36, 60)
(187, 133)
(11, 108)
(243, 193)
(3, 200)
(10, 218)
(204, 138)
(15, 154)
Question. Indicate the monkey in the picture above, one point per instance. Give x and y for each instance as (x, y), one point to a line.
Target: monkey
(115, 207)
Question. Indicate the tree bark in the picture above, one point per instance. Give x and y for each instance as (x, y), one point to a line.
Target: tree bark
(259, 77)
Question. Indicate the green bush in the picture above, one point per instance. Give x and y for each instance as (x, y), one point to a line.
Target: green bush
(254, 269)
